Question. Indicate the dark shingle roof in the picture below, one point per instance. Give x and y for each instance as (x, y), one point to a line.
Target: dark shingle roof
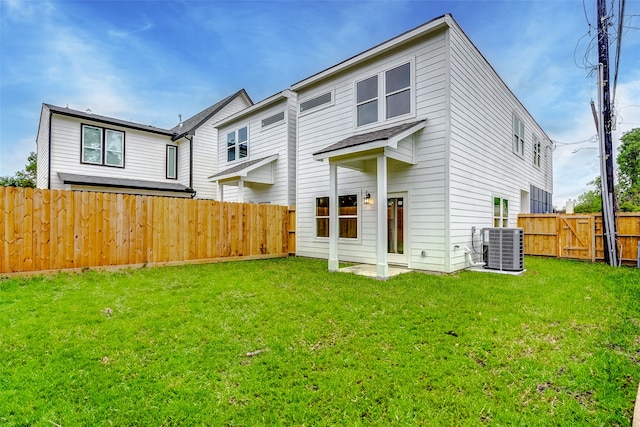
(197, 120)
(69, 178)
(365, 138)
(109, 120)
(239, 167)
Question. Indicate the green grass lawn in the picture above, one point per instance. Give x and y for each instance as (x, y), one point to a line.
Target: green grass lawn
(284, 342)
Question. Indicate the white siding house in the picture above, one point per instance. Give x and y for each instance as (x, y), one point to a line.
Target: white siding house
(84, 151)
(256, 152)
(405, 147)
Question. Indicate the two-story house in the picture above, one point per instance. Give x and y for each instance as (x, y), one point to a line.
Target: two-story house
(84, 151)
(408, 148)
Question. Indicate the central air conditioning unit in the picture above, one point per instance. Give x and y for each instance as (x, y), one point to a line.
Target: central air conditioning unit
(503, 249)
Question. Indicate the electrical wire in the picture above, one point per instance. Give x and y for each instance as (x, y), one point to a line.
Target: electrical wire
(621, 6)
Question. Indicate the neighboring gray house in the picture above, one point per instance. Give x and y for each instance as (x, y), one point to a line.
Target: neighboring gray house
(84, 151)
(406, 148)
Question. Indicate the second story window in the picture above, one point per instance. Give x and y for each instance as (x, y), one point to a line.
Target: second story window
(537, 152)
(237, 144)
(395, 85)
(518, 136)
(367, 100)
(102, 146)
(172, 162)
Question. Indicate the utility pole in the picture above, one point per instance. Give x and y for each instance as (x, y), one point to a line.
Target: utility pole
(609, 206)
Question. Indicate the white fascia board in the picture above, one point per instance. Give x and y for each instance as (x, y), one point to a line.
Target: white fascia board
(285, 94)
(380, 143)
(420, 31)
(393, 141)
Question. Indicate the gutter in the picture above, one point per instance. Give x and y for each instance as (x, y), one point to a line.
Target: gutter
(49, 150)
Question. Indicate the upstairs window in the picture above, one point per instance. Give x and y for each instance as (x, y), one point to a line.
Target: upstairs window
(276, 118)
(500, 212)
(316, 102)
(237, 144)
(367, 100)
(518, 136)
(395, 85)
(172, 162)
(537, 152)
(398, 91)
(102, 146)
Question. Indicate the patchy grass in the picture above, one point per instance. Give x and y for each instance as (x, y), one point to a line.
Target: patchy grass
(283, 342)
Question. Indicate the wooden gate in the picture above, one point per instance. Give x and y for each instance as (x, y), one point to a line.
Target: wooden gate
(576, 238)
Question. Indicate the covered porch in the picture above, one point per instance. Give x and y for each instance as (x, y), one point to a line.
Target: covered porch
(258, 171)
(397, 143)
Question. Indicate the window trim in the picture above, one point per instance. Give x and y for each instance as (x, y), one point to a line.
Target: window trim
(358, 217)
(103, 146)
(520, 147)
(276, 123)
(317, 94)
(383, 95)
(175, 156)
(502, 218)
(236, 144)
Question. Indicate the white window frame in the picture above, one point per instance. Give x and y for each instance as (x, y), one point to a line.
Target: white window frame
(317, 217)
(276, 123)
(236, 145)
(314, 95)
(501, 217)
(537, 152)
(517, 135)
(383, 95)
(173, 168)
(103, 146)
(357, 217)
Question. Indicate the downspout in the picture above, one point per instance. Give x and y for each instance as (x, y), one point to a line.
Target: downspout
(190, 163)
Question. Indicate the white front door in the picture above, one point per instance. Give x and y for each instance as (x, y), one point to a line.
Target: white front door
(396, 221)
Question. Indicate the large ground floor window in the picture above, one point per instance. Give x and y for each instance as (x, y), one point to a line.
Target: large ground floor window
(347, 216)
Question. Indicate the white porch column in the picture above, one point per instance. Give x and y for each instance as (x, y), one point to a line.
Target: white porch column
(334, 229)
(382, 267)
(220, 191)
(241, 191)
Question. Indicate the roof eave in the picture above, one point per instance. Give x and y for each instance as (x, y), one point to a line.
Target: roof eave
(434, 25)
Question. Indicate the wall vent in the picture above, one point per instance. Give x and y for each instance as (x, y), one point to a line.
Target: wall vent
(504, 249)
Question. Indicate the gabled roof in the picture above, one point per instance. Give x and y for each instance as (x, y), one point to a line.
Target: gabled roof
(65, 111)
(382, 137)
(192, 123)
(70, 178)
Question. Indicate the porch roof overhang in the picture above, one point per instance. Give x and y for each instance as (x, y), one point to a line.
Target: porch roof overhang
(101, 181)
(245, 171)
(370, 144)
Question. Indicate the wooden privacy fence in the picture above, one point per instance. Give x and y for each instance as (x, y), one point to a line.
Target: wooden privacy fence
(578, 236)
(55, 229)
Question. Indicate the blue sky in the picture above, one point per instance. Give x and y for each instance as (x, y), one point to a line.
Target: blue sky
(148, 61)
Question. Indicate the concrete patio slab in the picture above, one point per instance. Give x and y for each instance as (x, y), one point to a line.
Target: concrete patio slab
(369, 270)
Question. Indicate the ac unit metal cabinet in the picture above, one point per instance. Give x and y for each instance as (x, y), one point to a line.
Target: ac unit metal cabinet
(504, 249)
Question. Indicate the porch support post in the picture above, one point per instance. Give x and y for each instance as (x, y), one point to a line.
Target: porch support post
(220, 191)
(382, 267)
(241, 191)
(334, 229)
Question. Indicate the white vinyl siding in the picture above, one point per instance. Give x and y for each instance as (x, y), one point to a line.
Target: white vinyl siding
(424, 182)
(277, 138)
(482, 163)
(145, 153)
(42, 142)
